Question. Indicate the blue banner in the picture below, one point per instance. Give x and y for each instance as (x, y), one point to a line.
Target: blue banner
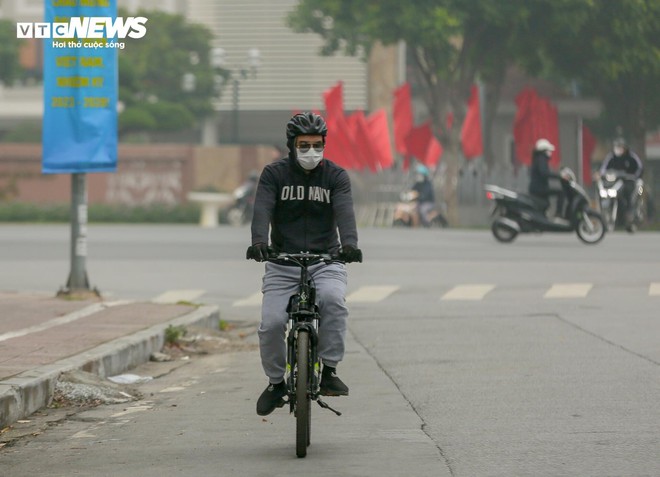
(80, 89)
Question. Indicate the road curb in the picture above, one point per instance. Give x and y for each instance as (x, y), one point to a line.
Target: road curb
(25, 393)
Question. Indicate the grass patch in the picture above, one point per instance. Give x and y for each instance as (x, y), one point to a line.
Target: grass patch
(173, 334)
(100, 213)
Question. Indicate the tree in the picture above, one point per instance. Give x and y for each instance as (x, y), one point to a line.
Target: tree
(9, 46)
(166, 80)
(613, 51)
(450, 42)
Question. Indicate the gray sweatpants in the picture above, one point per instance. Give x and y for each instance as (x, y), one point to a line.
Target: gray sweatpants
(279, 283)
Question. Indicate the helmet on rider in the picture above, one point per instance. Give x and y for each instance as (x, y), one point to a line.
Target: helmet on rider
(306, 124)
(422, 169)
(421, 172)
(619, 146)
(544, 145)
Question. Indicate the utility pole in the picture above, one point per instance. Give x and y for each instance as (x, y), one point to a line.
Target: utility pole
(78, 281)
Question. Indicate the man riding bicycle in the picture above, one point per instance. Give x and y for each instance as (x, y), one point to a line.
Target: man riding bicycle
(305, 199)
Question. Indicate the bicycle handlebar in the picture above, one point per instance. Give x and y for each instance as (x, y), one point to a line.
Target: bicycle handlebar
(304, 256)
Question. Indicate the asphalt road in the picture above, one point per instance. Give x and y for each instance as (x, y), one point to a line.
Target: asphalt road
(539, 357)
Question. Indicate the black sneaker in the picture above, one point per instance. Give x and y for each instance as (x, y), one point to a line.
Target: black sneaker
(331, 385)
(271, 398)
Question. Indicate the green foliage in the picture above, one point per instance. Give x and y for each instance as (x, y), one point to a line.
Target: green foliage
(151, 72)
(99, 213)
(173, 334)
(609, 48)
(24, 132)
(9, 45)
(613, 51)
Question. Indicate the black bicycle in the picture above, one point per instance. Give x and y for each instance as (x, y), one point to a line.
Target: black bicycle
(303, 369)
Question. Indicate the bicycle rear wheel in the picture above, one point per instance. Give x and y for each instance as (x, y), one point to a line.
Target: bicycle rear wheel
(303, 398)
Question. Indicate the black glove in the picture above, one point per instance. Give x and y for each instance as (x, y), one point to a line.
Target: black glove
(258, 252)
(350, 254)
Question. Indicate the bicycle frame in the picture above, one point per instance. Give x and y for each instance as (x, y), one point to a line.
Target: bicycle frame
(303, 314)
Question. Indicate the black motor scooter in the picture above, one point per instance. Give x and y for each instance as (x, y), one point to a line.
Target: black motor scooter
(516, 213)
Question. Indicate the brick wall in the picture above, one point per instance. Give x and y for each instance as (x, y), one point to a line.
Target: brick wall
(146, 174)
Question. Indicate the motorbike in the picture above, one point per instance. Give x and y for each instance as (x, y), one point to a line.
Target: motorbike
(240, 211)
(610, 200)
(516, 213)
(406, 213)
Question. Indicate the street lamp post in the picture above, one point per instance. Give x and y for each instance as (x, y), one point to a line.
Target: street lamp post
(236, 76)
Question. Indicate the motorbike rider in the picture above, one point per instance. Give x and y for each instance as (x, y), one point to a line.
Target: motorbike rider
(250, 185)
(622, 159)
(540, 175)
(425, 193)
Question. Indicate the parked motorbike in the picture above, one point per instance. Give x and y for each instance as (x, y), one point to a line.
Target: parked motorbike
(240, 211)
(611, 201)
(516, 213)
(406, 213)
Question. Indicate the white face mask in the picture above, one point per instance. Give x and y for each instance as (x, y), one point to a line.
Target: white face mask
(310, 159)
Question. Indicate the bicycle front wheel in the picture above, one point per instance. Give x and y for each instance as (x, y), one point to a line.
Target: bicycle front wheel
(303, 398)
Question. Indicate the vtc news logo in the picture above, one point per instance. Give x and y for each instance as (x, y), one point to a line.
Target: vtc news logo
(87, 27)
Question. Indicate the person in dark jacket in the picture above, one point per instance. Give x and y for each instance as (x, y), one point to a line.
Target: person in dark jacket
(306, 201)
(425, 194)
(540, 175)
(622, 160)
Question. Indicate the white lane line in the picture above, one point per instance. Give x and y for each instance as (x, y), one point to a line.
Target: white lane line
(252, 300)
(467, 292)
(371, 294)
(654, 289)
(568, 290)
(62, 320)
(175, 296)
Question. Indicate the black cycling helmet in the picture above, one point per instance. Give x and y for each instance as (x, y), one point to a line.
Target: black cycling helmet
(619, 142)
(303, 124)
(306, 123)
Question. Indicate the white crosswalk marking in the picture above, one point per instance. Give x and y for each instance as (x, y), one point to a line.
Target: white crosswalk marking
(467, 292)
(472, 292)
(252, 300)
(175, 296)
(371, 294)
(568, 290)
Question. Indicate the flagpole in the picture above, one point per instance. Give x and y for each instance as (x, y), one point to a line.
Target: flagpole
(580, 161)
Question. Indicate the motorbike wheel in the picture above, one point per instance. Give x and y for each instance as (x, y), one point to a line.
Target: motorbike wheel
(439, 221)
(503, 234)
(399, 223)
(235, 217)
(609, 209)
(591, 228)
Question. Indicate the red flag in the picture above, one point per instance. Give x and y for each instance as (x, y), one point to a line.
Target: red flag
(422, 144)
(471, 138)
(380, 137)
(588, 146)
(403, 117)
(536, 118)
(365, 146)
(339, 146)
(334, 101)
(523, 133)
(551, 133)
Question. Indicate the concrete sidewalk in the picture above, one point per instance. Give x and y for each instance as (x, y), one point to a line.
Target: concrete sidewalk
(42, 336)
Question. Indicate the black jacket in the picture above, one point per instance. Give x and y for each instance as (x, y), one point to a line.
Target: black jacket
(628, 162)
(304, 210)
(424, 190)
(540, 174)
